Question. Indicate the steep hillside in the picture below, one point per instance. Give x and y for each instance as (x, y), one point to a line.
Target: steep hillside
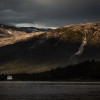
(59, 47)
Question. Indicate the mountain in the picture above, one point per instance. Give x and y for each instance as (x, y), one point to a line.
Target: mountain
(25, 29)
(12, 34)
(59, 47)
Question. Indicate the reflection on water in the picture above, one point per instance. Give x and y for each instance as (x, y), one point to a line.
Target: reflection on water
(49, 91)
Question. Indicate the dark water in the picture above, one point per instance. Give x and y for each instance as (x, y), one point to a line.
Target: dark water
(49, 91)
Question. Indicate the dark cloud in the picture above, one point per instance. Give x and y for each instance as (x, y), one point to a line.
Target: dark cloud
(49, 12)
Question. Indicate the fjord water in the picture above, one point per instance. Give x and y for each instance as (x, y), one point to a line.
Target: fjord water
(41, 90)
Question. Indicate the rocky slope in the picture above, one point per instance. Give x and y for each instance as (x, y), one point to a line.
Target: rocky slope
(59, 47)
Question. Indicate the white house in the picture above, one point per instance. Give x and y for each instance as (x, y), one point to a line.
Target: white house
(9, 77)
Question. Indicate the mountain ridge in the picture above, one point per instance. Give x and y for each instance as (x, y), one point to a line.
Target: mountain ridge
(25, 29)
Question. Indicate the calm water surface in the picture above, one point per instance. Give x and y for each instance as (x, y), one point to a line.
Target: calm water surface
(49, 90)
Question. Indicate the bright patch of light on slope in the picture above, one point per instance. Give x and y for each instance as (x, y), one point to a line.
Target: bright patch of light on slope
(10, 32)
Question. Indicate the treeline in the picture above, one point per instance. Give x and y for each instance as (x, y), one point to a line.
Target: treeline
(84, 71)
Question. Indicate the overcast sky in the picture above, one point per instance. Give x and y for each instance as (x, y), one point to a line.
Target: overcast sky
(49, 12)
